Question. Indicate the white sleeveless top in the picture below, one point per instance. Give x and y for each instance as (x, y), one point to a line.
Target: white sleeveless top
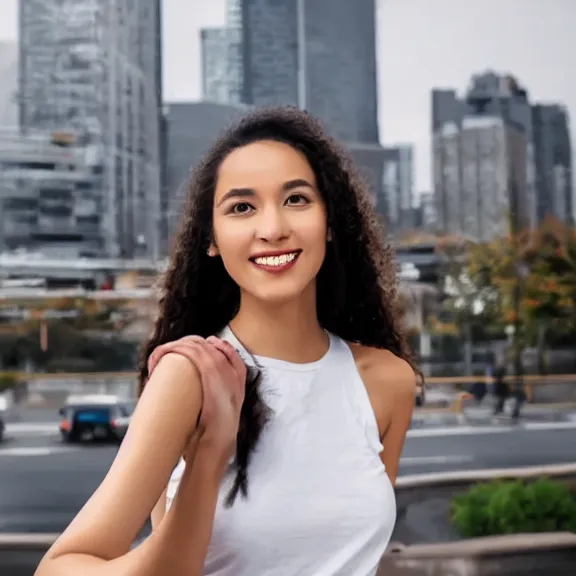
(319, 500)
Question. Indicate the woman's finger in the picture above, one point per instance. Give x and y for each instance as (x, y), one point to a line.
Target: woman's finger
(229, 351)
(163, 349)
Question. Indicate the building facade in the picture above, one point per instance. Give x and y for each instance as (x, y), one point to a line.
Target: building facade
(553, 158)
(497, 156)
(218, 79)
(92, 68)
(192, 127)
(235, 51)
(428, 220)
(483, 158)
(8, 84)
(50, 191)
(398, 188)
(293, 54)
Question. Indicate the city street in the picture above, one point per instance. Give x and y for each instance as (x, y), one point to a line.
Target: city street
(43, 483)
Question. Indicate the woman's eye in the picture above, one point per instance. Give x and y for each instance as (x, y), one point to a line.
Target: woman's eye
(241, 208)
(297, 199)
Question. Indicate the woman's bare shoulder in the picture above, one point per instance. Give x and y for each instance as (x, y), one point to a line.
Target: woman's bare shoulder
(383, 369)
(161, 426)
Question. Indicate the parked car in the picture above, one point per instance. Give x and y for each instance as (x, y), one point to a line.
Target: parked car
(94, 417)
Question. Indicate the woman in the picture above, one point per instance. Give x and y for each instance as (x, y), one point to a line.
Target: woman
(278, 271)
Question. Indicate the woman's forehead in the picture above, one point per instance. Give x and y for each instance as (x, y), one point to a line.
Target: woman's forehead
(264, 161)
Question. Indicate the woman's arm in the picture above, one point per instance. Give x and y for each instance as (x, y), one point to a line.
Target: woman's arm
(159, 511)
(391, 386)
(401, 384)
(97, 542)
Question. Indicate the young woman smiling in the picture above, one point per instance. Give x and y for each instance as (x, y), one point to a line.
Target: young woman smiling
(276, 390)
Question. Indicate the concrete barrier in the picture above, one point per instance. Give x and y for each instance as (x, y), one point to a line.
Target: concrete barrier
(517, 555)
(423, 500)
(20, 554)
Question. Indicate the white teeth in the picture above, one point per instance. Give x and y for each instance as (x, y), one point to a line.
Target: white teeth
(276, 260)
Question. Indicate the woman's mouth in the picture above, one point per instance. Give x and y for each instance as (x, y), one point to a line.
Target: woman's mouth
(275, 262)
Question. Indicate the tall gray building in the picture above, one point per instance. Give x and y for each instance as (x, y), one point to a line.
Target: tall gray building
(483, 158)
(317, 54)
(235, 51)
(553, 158)
(192, 127)
(398, 188)
(218, 79)
(427, 211)
(8, 84)
(91, 68)
(496, 154)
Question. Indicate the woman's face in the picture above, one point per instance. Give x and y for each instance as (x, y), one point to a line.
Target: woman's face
(269, 221)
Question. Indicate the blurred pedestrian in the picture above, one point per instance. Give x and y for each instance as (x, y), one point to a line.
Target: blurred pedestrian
(500, 387)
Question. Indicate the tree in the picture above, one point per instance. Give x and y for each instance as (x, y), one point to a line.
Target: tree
(468, 304)
(71, 333)
(537, 267)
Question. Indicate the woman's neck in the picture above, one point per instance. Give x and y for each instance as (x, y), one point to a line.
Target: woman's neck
(289, 331)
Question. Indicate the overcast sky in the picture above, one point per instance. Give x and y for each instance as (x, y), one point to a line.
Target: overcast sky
(422, 44)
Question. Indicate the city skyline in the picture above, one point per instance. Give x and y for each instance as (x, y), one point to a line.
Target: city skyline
(421, 47)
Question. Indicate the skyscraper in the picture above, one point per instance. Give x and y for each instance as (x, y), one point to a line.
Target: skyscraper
(92, 68)
(218, 80)
(398, 188)
(553, 158)
(290, 53)
(235, 51)
(483, 158)
(317, 54)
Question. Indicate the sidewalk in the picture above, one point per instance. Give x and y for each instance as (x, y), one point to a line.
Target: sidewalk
(483, 414)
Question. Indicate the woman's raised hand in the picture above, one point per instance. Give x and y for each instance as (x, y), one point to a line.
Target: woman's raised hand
(223, 376)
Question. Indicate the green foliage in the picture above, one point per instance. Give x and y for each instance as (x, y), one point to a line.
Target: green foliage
(471, 302)
(7, 381)
(69, 350)
(542, 261)
(514, 507)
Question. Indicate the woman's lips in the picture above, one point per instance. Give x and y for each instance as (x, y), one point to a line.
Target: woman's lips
(275, 263)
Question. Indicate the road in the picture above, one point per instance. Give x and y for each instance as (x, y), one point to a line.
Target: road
(43, 483)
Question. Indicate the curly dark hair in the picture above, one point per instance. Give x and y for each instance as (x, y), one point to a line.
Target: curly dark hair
(356, 285)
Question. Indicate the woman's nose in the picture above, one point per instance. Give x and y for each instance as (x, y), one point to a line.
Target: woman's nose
(272, 225)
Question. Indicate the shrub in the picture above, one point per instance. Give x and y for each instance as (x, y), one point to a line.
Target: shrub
(514, 507)
(7, 381)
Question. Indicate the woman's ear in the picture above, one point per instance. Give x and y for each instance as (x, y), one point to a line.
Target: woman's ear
(213, 250)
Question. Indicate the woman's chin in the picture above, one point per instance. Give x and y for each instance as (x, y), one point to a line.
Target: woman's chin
(276, 293)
